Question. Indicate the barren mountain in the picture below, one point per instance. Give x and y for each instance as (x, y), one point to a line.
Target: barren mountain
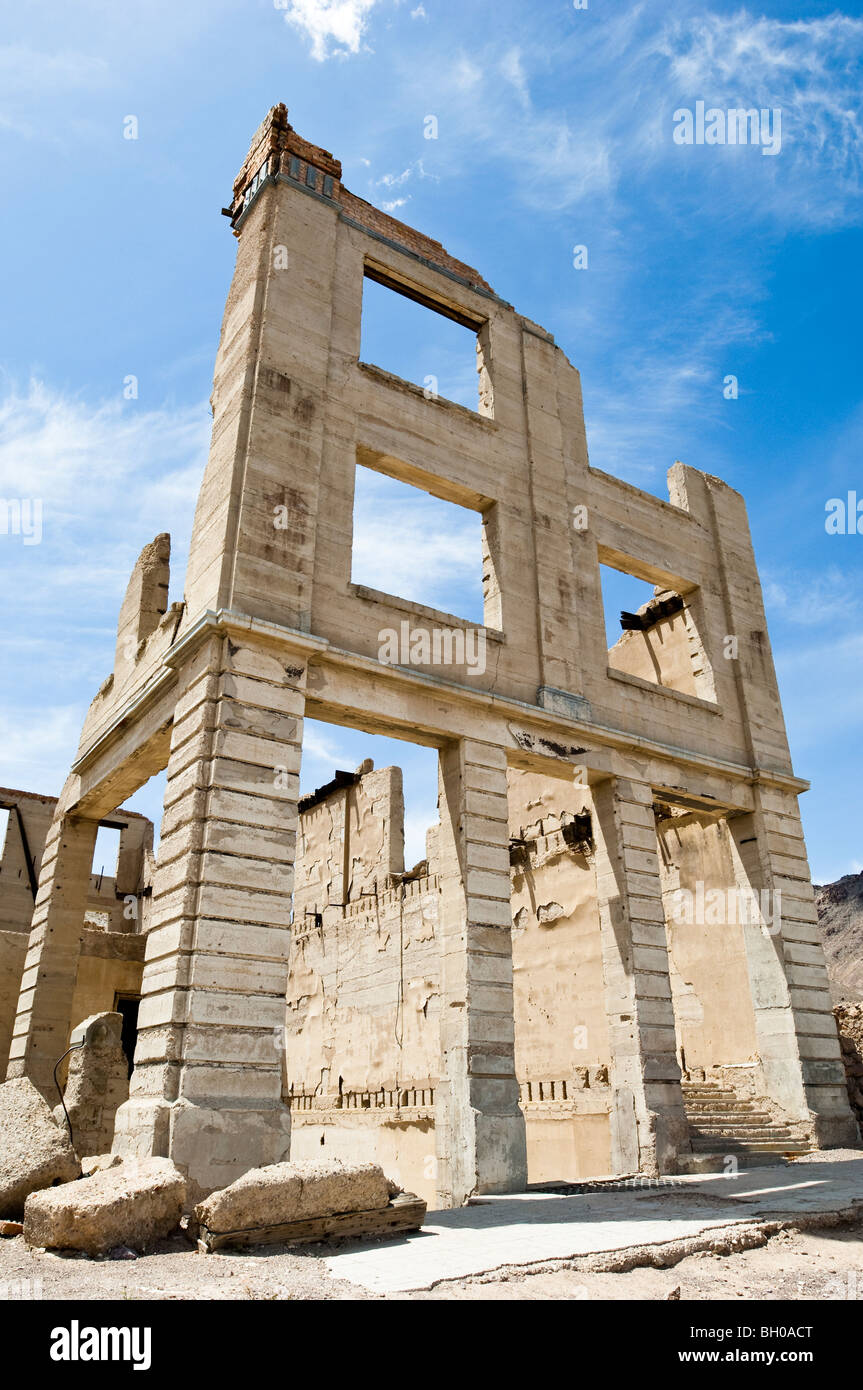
(840, 918)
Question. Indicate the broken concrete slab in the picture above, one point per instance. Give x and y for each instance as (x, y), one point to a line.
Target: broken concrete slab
(34, 1151)
(292, 1192)
(133, 1206)
(406, 1212)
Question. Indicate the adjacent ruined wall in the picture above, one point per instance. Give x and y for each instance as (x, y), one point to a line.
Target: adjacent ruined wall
(28, 824)
(110, 963)
(362, 1045)
(709, 970)
(667, 650)
(351, 840)
(111, 943)
(562, 1049)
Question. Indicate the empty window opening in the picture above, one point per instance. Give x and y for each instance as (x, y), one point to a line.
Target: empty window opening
(128, 1005)
(420, 547)
(422, 345)
(106, 852)
(652, 634)
(4, 826)
(148, 801)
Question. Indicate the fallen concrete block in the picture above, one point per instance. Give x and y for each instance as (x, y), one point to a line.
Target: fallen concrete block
(293, 1192)
(133, 1206)
(406, 1212)
(309, 1200)
(34, 1151)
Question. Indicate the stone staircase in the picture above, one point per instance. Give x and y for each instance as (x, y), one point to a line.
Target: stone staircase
(722, 1122)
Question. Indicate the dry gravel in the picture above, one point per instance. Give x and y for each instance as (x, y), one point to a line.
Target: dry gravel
(817, 1264)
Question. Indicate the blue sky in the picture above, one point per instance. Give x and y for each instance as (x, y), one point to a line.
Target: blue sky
(555, 129)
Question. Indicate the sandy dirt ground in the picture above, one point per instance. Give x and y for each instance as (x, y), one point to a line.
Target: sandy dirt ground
(815, 1264)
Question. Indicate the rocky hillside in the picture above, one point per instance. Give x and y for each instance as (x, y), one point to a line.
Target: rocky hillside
(840, 917)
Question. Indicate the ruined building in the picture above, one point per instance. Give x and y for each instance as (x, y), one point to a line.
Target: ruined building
(531, 1003)
(105, 960)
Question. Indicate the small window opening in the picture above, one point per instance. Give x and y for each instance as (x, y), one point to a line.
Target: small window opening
(652, 634)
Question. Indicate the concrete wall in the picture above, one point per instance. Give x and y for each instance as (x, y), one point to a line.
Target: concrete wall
(562, 1047)
(363, 997)
(363, 1023)
(669, 653)
(709, 967)
(111, 963)
(13, 953)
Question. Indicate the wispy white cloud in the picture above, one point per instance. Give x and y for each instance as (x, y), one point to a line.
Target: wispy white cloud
(616, 125)
(413, 545)
(807, 600)
(39, 745)
(335, 28)
(513, 70)
(810, 69)
(804, 697)
(415, 169)
(116, 471)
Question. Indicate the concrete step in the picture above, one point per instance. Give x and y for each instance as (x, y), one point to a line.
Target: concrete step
(745, 1117)
(787, 1146)
(756, 1126)
(733, 1111)
(759, 1136)
(710, 1161)
(720, 1121)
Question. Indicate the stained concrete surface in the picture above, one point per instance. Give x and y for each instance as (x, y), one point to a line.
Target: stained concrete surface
(536, 1228)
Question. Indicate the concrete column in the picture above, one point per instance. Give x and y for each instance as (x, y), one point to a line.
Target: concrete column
(648, 1121)
(798, 1045)
(479, 1126)
(43, 1021)
(207, 1085)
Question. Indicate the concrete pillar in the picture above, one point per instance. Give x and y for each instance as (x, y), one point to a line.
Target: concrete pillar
(648, 1121)
(479, 1125)
(207, 1086)
(43, 1021)
(798, 1045)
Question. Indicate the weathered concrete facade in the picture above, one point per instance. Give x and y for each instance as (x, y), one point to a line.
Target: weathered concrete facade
(272, 628)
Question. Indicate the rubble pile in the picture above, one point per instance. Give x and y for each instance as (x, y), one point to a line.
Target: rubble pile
(849, 1021)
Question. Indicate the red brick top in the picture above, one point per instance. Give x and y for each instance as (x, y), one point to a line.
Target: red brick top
(400, 232)
(276, 144)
